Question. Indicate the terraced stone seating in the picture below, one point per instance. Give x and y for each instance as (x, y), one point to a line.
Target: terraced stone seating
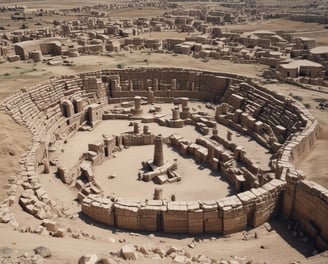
(280, 124)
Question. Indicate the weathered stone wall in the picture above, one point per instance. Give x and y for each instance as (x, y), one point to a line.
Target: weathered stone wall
(307, 203)
(51, 46)
(225, 216)
(204, 86)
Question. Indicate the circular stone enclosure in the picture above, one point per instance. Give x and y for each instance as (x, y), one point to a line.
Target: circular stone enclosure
(54, 110)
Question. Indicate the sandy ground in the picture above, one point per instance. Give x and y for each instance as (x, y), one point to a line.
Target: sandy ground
(198, 182)
(276, 247)
(11, 149)
(279, 245)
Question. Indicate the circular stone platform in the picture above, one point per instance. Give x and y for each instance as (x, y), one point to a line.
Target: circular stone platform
(246, 133)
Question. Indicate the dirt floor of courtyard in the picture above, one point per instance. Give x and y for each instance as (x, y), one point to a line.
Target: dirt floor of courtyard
(198, 182)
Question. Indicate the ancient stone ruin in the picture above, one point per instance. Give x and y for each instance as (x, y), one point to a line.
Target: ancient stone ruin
(56, 109)
(161, 171)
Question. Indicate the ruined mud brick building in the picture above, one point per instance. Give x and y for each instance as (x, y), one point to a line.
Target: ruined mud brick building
(58, 107)
(94, 32)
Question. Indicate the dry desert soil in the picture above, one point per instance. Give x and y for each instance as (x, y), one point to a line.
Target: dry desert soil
(277, 246)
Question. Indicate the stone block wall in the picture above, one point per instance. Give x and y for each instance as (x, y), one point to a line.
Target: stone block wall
(150, 216)
(137, 140)
(175, 218)
(233, 214)
(101, 209)
(225, 216)
(40, 109)
(127, 216)
(212, 217)
(307, 202)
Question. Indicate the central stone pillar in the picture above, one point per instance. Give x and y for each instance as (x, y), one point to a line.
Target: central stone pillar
(137, 106)
(135, 128)
(137, 102)
(158, 151)
(146, 130)
(184, 102)
(175, 114)
(150, 96)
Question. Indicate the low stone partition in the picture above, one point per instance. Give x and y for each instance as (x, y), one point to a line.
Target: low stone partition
(101, 209)
(225, 216)
(221, 155)
(60, 106)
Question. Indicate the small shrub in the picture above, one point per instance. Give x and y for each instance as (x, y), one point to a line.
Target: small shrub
(56, 23)
(319, 100)
(307, 106)
(298, 98)
(120, 66)
(173, 198)
(6, 74)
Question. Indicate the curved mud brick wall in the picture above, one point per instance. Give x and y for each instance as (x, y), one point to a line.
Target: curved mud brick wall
(58, 107)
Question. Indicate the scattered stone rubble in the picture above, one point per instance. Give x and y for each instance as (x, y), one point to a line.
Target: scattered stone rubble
(169, 254)
(12, 256)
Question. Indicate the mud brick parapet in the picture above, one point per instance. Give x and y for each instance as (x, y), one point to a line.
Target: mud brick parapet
(58, 107)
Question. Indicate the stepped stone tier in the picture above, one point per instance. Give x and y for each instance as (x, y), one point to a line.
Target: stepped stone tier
(60, 106)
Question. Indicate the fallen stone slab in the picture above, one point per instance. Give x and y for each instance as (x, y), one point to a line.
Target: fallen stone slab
(129, 252)
(43, 252)
(88, 259)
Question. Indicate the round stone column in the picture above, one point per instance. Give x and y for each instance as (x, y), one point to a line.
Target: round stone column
(158, 151)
